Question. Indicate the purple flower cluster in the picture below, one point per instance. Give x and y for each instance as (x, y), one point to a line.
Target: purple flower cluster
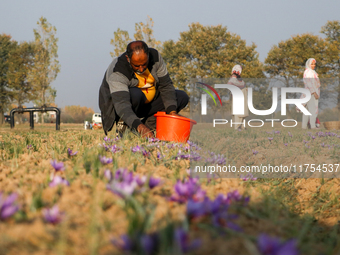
(71, 153)
(140, 149)
(189, 189)
(272, 246)
(255, 152)
(216, 159)
(104, 160)
(7, 205)
(113, 148)
(58, 166)
(123, 183)
(248, 177)
(150, 243)
(53, 215)
(216, 210)
(58, 180)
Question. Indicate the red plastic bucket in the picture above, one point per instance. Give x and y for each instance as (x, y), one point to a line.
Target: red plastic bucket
(173, 128)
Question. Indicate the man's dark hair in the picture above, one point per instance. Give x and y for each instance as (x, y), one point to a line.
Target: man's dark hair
(136, 46)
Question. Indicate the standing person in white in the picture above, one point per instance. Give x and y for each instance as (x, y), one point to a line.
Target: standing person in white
(312, 82)
(237, 81)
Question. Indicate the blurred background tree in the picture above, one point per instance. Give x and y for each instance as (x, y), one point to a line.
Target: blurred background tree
(76, 114)
(6, 46)
(143, 32)
(22, 60)
(209, 52)
(46, 65)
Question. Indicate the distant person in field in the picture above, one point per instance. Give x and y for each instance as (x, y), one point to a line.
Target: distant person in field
(312, 82)
(137, 85)
(237, 81)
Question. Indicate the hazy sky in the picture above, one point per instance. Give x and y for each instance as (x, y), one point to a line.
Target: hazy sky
(84, 29)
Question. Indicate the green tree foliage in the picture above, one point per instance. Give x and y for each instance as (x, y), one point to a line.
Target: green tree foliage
(288, 58)
(206, 52)
(332, 32)
(21, 61)
(76, 114)
(6, 46)
(46, 65)
(143, 32)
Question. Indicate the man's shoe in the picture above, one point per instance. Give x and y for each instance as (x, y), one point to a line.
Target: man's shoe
(121, 128)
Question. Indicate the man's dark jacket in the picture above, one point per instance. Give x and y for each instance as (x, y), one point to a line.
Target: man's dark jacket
(114, 96)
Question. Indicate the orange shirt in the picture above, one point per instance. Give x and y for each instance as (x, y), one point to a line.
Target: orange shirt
(147, 85)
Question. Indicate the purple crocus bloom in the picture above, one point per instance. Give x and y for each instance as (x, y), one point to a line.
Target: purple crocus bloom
(7, 207)
(71, 153)
(29, 147)
(277, 132)
(273, 246)
(270, 138)
(124, 243)
(104, 160)
(153, 182)
(313, 137)
(159, 155)
(53, 215)
(108, 174)
(114, 148)
(148, 243)
(57, 180)
(254, 152)
(286, 144)
(136, 149)
(122, 189)
(182, 241)
(248, 177)
(140, 180)
(190, 189)
(290, 134)
(58, 166)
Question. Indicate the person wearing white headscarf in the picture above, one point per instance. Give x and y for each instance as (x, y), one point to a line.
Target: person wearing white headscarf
(312, 82)
(237, 81)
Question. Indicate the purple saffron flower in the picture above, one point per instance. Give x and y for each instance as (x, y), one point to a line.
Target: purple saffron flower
(290, 134)
(58, 166)
(277, 132)
(313, 137)
(182, 241)
(190, 189)
(286, 144)
(114, 148)
(153, 182)
(248, 177)
(53, 215)
(254, 152)
(108, 174)
(29, 147)
(270, 138)
(122, 189)
(159, 155)
(71, 153)
(57, 180)
(273, 246)
(124, 243)
(7, 207)
(104, 160)
(136, 149)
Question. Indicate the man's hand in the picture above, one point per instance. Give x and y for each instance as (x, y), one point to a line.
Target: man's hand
(316, 95)
(174, 113)
(144, 131)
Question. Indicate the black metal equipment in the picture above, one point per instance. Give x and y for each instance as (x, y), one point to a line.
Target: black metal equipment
(31, 110)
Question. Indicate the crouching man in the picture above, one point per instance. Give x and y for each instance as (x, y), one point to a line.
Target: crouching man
(137, 85)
